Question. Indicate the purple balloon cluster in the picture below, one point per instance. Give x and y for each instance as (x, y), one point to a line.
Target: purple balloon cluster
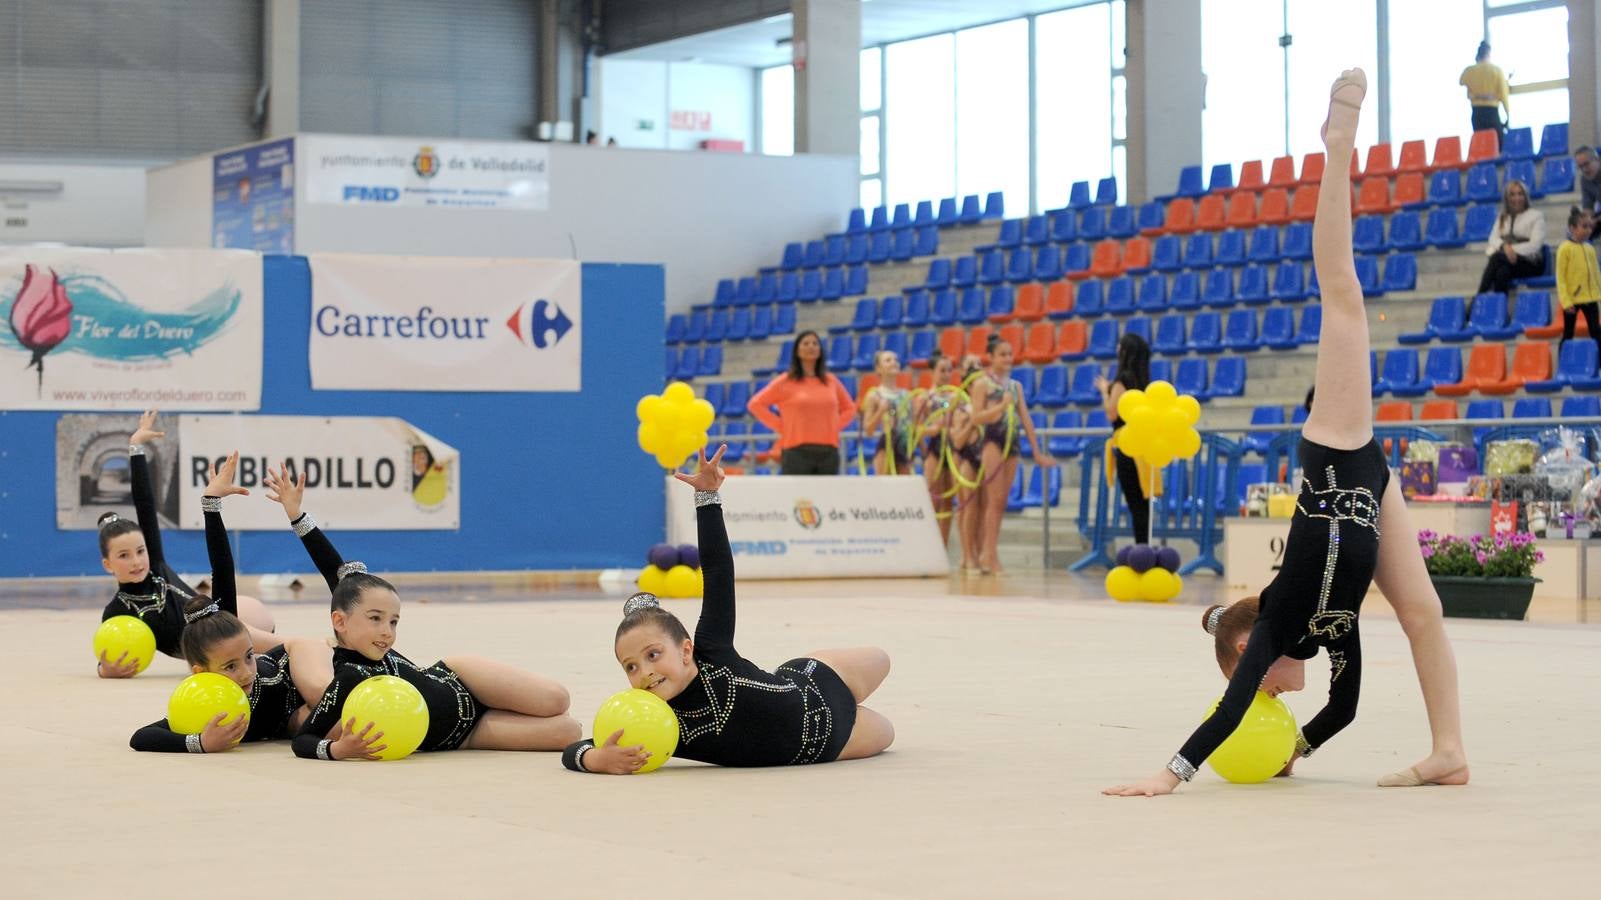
(1143, 557)
(665, 556)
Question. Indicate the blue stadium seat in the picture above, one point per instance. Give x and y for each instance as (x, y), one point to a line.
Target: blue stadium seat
(1019, 263)
(1264, 247)
(1024, 375)
(1064, 226)
(1310, 327)
(896, 342)
(1139, 325)
(1120, 296)
(1230, 249)
(713, 393)
(902, 244)
(1400, 374)
(880, 220)
(1103, 339)
(814, 255)
(1367, 234)
(1170, 339)
(726, 292)
(925, 241)
(1289, 281)
(677, 325)
(942, 308)
(1483, 409)
(1052, 389)
(867, 347)
(856, 249)
(1442, 230)
(1191, 379)
(1297, 417)
(794, 256)
(1576, 368)
(923, 346)
(901, 218)
(1106, 192)
(1483, 185)
(924, 217)
(1581, 407)
(865, 319)
(811, 287)
(915, 312)
(947, 213)
(1185, 292)
(1554, 140)
(782, 364)
(1222, 178)
(1064, 446)
(1198, 251)
(1406, 231)
(1556, 175)
(681, 366)
(1252, 286)
(1257, 441)
(1082, 391)
(745, 293)
(849, 382)
(1076, 258)
(739, 325)
(878, 248)
(839, 350)
(889, 312)
(834, 250)
(1517, 144)
(1447, 321)
(833, 285)
(1490, 318)
(992, 268)
(736, 399)
(972, 212)
(1162, 370)
(1445, 188)
(939, 275)
(784, 320)
(1036, 230)
(1240, 331)
(1400, 273)
(1206, 333)
(1367, 275)
(1092, 224)
(1228, 378)
(964, 273)
(1533, 310)
(1165, 253)
(855, 281)
(1078, 196)
(994, 206)
(1531, 408)
(1547, 277)
(1153, 293)
(711, 361)
(1190, 182)
(1441, 367)
(1297, 242)
(1120, 222)
(767, 288)
(1090, 299)
(1219, 290)
(857, 222)
(717, 326)
(970, 310)
(1151, 216)
(999, 308)
(1479, 222)
(761, 322)
(1278, 328)
(1047, 263)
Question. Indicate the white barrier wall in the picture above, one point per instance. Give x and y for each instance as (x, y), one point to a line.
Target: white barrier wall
(96, 206)
(703, 215)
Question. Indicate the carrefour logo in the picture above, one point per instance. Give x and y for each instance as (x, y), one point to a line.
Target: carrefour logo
(543, 319)
(357, 193)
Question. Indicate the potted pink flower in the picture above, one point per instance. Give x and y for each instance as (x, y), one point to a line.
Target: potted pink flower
(1484, 576)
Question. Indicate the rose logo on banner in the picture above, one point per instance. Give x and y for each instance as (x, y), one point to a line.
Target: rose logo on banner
(41, 316)
(807, 515)
(540, 323)
(426, 162)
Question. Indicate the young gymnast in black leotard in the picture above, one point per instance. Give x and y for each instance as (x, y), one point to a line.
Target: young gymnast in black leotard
(147, 588)
(1334, 544)
(473, 703)
(214, 640)
(730, 711)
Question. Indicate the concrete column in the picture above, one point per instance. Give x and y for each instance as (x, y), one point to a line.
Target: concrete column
(282, 53)
(1166, 89)
(1584, 99)
(827, 48)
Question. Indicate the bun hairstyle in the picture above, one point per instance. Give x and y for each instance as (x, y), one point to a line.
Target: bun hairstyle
(113, 526)
(354, 580)
(1227, 625)
(644, 609)
(205, 626)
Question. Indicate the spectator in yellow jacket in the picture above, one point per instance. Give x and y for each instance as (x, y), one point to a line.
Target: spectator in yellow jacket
(1578, 278)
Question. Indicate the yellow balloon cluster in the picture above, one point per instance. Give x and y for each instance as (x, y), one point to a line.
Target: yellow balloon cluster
(1158, 424)
(1155, 584)
(679, 581)
(673, 424)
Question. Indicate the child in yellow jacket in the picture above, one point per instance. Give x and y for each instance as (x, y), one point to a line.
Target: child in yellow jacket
(1578, 279)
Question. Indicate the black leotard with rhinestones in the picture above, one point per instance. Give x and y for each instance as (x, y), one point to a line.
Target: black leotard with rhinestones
(1329, 558)
(273, 700)
(453, 711)
(735, 713)
(159, 599)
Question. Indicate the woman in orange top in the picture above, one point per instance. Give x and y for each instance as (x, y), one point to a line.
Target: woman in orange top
(813, 408)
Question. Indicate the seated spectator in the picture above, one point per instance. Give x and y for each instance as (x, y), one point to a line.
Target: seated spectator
(1515, 246)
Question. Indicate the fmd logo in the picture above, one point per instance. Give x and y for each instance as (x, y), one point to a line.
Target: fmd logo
(546, 324)
(364, 194)
(759, 548)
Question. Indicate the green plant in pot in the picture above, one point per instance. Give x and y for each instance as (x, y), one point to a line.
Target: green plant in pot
(1484, 576)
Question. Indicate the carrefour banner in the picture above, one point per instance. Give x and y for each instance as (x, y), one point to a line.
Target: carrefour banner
(790, 526)
(130, 329)
(378, 474)
(390, 323)
(403, 172)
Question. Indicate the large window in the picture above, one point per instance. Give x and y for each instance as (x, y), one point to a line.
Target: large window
(920, 119)
(1430, 44)
(1243, 117)
(1529, 47)
(1073, 101)
(778, 111)
(992, 112)
(1326, 38)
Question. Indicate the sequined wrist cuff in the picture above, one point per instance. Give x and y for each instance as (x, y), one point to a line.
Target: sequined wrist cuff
(136, 449)
(579, 759)
(708, 498)
(1301, 746)
(304, 524)
(211, 504)
(191, 742)
(1181, 767)
(323, 751)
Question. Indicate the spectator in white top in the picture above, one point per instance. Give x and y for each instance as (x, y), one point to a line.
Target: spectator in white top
(1516, 244)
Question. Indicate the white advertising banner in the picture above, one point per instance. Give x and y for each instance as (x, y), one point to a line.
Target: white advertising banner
(791, 526)
(403, 323)
(377, 474)
(130, 329)
(379, 171)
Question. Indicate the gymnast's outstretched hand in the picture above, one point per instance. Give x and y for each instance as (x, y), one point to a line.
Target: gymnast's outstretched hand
(284, 489)
(147, 429)
(709, 476)
(222, 478)
(1155, 786)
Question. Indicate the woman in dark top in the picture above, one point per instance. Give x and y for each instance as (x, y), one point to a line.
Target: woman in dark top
(1133, 373)
(147, 588)
(730, 711)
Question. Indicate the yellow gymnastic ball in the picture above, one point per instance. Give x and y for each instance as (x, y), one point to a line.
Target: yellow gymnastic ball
(644, 719)
(1261, 746)
(199, 698)
(125, 634)
(394, 707)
